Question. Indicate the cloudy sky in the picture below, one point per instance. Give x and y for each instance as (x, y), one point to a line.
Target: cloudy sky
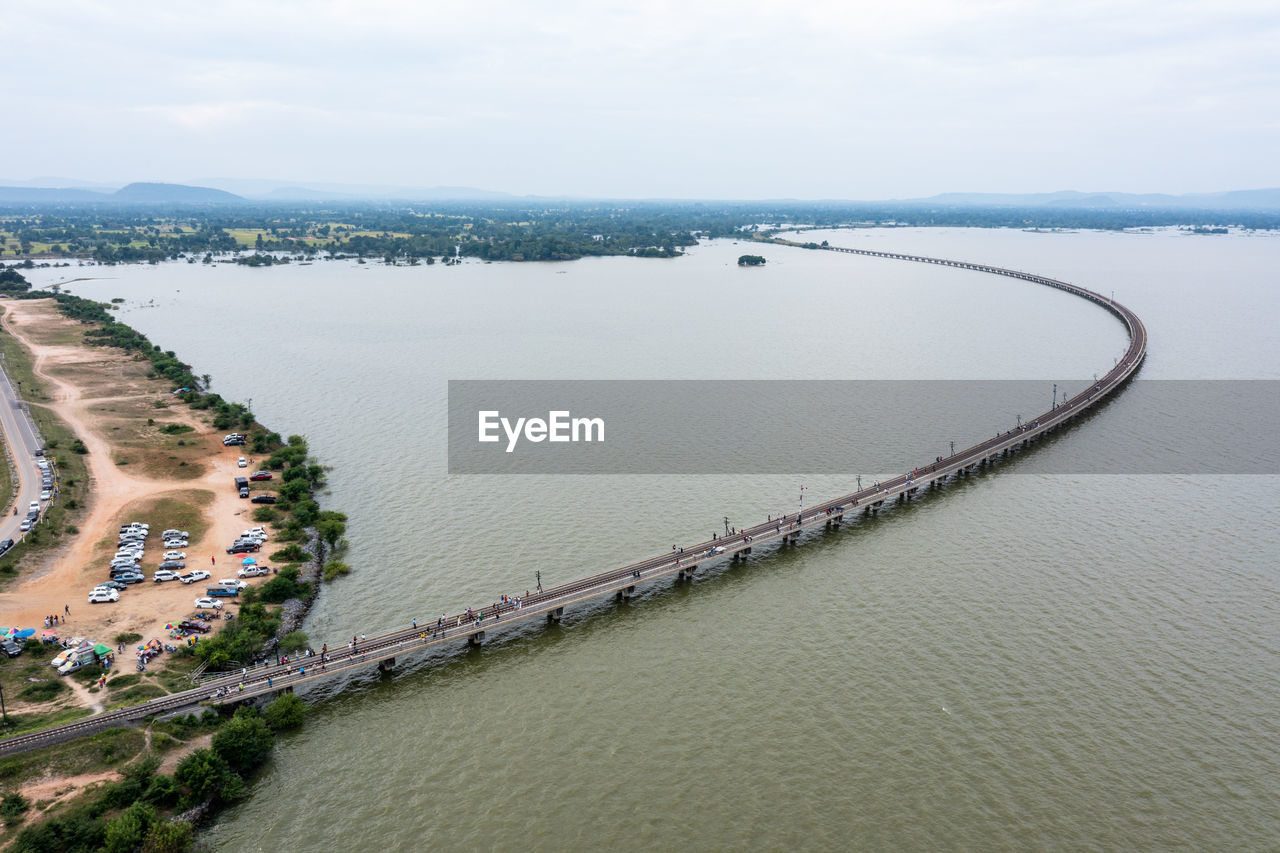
(650, 98)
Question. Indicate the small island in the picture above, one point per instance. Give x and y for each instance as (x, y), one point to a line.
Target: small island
(750, 261)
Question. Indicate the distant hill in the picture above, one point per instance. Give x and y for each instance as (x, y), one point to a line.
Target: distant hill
(1268, 199)
(141, 193)
(36, 195)
(172, 193)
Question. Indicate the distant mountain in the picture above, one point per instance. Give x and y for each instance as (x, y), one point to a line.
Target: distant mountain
(267, 190)
(142, 193)
(51, 195)
(1268, 199)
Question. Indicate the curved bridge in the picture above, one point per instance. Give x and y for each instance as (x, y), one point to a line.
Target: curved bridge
(382, 649)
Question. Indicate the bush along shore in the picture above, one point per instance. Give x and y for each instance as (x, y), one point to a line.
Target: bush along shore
(153, 811)
(146, 809)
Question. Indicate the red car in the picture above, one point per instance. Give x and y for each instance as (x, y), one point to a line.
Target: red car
(261, 475)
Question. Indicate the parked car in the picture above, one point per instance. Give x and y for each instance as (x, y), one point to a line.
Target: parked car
(244, 491)
(199, 626)
(45, 495)
(5, 546)
(73, 665)
(232, 583)
(253, 571)
(103, 596)
(173, 564)
(260, 475)
(175, 534)
(174, 555)
(34, 505)
(175, 543)
(197, 575)
(203, 603)
(111, 585)
(243, 548)
(12, 648)
(242, 462)
(221, 591)
(130, 577)
(76, 643)
(263, 499)
(165, 575)
(25, 525)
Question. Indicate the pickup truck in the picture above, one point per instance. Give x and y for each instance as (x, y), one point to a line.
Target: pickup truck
(253, 571)
(221, 591)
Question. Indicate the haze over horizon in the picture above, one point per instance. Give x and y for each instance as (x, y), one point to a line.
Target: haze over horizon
(708, 100)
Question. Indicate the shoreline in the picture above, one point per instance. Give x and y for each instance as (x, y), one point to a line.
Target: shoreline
(126, 478)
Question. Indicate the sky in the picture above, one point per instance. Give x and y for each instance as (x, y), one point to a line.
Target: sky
(692, 99)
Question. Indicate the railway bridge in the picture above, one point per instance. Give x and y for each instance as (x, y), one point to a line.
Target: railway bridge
(383, 649)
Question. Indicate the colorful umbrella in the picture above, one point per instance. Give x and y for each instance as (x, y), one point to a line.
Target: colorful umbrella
(26, 632)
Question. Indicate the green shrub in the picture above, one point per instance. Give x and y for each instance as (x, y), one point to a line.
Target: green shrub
(284, 712)
(14, 806)
(173, 837)
(125, 833)
(243, 742)
(335, 568)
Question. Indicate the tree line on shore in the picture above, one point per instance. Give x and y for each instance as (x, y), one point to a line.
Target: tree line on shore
(505, 231)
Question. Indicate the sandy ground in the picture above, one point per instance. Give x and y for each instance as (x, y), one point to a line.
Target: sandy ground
(75, 568)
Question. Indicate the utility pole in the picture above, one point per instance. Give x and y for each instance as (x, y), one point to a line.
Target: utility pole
(1053, 404)
(726, 525)
(953, 448)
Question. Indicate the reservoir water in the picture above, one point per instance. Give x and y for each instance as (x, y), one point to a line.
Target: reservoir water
(1023, 661)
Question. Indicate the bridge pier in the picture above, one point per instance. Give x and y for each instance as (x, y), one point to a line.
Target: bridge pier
(386, 665)
(624, 594)
(476, 639)
(555, 615)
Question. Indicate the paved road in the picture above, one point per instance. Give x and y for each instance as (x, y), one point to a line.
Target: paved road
(386, 646)
(21, 440)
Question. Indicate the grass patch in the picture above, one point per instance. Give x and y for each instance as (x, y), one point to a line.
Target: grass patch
(180, 510)
(43, 691)
(22, 723)
(102, 751)
(137, 694)
(125, 680)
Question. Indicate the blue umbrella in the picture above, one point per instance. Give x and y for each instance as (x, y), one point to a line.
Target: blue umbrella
(26, 632)
(248, 561)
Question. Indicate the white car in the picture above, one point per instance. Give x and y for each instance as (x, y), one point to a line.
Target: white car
(166, 575)
(255, 533)
(103, 596)
(45, 495)
(175, 555)
(197, 575)
(242, 462)
(174, 534)
(232, 582)
(202, 603)
(252, 571)
(175, 544)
